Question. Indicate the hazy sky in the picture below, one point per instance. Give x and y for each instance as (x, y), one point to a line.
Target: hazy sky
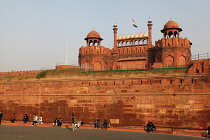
(34, 33)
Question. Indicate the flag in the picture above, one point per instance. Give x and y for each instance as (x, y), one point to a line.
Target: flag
(134, 24)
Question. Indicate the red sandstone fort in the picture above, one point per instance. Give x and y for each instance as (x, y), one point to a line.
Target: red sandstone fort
(136, 51)
(167, 100)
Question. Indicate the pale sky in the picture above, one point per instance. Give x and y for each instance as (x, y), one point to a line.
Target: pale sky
(34, 33)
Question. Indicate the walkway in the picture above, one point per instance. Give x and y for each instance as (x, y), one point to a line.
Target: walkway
(19, 132)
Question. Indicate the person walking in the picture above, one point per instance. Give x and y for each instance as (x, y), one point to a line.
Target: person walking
(1, 116)
(73, 121)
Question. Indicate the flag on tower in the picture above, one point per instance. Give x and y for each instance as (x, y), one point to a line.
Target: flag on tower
(134, 24)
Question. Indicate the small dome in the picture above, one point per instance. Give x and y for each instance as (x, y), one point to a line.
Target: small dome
(136, 35)
(171, 24)
(128, 36)
(132, 36)
(140, 35)
(115, 25)
(149, 21)
(144, 34)
(124, 36)
(94, 34)
(119, 37)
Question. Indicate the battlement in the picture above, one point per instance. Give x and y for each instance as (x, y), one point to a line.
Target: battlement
(20, 73)
(94, 50)
(132, 50)
(173, 42)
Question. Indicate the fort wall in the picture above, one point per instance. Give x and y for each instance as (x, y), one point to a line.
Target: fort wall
(167, 101)
(20, 73)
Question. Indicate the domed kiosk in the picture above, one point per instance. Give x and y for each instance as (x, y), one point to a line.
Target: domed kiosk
(171, 29)
(93, 38)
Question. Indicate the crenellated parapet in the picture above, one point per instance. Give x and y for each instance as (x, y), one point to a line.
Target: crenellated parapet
(94, 50)
(173, 42)
(132, 50)
(20, 73)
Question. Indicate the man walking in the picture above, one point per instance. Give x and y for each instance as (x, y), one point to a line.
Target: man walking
(74, 121)
(1, 116)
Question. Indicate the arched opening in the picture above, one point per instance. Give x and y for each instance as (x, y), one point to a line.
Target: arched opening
(124, 43)
(175, 34)
(95, 43)
(97, 66)
(169, 61)
(182, 61)
(90, 43)
(170, 34)
(86, 65)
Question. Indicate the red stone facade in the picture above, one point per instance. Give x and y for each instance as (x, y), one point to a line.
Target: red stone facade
(136, 51)
(167, 101)
(199, 66)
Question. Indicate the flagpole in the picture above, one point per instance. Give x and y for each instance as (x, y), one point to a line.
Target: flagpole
(133, 28)
(67, 52)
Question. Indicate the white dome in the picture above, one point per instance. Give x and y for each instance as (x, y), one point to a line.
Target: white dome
(124, 37)
(140, 35)
(145, 35)
(128, 36)
(136, 35)
(132, 36)
(119, 37)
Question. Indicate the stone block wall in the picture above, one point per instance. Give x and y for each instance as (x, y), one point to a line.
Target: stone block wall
(167, 101)
(20, 73)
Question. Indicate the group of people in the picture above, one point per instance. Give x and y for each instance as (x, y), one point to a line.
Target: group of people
(36, 120)
(104, 125)
(58, 122)
(150, 127)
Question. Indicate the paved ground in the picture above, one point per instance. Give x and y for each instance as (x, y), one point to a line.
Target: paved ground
(10, 132)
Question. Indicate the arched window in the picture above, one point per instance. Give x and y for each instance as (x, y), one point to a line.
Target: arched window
(169, 61)
(175, 34)
(97, 66)
(170, 34)
(86, 66)
(182, 61)
(90, 43)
